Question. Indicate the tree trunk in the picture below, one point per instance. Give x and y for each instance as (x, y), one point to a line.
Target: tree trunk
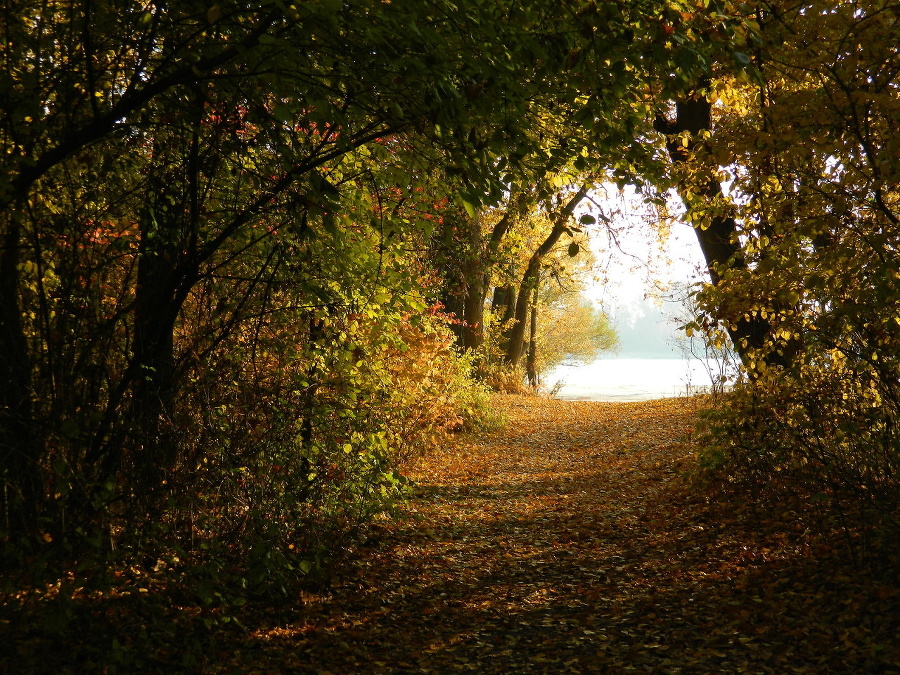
(718, 240)
(531, 360)
(473, 312)
(516, 343)
(20, 489)
(503, 303)
(167, 270)
(471, 258)
(155, 313)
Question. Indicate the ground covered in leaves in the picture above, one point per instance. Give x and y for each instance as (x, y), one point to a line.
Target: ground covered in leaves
(570, 541)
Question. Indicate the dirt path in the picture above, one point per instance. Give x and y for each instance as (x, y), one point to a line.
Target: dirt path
(568, 542)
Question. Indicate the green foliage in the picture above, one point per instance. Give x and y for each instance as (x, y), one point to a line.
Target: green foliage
(208, 273)
(215, 343)
(824, 434)
(815, 276)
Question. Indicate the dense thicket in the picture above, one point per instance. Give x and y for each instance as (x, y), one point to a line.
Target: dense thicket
(809, 290)
(220, 319)
(246, 249)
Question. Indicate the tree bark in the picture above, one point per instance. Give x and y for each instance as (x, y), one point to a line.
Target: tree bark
(156, 311)
(168, 268)
(531, 359)
(516, 343)
(718, 240)
(20, 480)
(469, 279)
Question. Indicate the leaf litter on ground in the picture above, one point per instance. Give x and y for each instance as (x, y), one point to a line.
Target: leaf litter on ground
(571, 541)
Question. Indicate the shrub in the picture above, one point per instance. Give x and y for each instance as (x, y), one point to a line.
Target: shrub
(824, 432)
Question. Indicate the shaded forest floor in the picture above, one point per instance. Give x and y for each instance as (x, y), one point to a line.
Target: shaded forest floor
(569, 541)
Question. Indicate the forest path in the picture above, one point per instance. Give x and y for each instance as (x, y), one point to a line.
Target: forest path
(569, 542)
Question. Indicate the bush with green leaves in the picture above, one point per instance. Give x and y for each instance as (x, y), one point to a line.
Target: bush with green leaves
(300, 449)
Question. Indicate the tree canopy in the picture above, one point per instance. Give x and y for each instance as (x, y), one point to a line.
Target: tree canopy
(246, 249)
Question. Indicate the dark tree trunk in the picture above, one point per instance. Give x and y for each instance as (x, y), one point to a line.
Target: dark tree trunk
(450, 299)
(471, 257)
(503, 303)
(20, 490)
(516, 208)
(516, 341)
(167, 270)
(156, 311)
(718, 240)
(473, 312)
